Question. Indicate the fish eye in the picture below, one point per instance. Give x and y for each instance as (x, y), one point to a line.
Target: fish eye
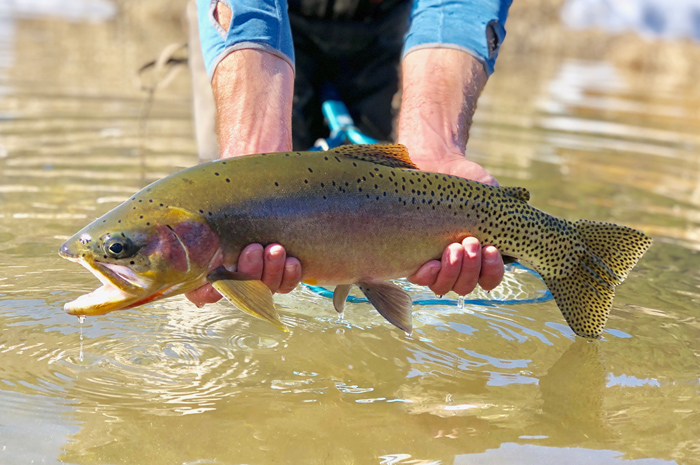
(119, 247)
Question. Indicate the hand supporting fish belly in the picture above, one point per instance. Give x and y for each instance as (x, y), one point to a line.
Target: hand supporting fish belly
(354, 215)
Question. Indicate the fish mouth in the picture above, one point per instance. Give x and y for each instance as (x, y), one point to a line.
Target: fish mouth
(121, 288)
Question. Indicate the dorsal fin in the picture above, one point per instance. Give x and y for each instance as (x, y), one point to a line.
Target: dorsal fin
(519, 193)
(393, 155)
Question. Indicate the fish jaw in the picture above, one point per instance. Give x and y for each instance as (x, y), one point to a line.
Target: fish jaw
(121, 288)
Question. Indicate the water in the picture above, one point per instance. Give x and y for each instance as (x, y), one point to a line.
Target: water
(169, 383)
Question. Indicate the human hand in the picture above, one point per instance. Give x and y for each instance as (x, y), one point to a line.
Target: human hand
(269, 264)
(466, 264)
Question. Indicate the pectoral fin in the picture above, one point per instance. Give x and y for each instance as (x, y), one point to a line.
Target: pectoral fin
(249, 295)
(392, 302)
(340, 295)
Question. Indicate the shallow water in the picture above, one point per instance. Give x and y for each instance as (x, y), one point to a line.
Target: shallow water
(488, 384)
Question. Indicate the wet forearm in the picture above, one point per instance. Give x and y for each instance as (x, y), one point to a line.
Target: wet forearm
(253, 91)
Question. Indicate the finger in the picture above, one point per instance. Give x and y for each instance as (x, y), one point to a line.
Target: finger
(291, 277)
(491, 268)
(273, 266)
(451, 266)
(250, 261)
(471, 267)
(426, 274)
(203, 295)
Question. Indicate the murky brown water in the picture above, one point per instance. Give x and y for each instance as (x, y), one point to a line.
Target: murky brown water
(172, 384)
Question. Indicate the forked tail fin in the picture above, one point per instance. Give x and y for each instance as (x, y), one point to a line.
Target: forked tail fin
(585, 293)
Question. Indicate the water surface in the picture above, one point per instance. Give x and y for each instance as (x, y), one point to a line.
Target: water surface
(488, 384)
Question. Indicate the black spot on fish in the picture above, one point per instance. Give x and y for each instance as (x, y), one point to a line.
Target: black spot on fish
(306, 181)
(119, 221)
(140, 201)
(228, 180)
(201, 211)
(216, 174)
(132, 262)
(141, 217)
(310, 170)
(148, 224)
(277, 184)
(161, 205)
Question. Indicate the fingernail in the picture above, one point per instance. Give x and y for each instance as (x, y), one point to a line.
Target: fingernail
(454, 256)
(490, 254)
(276, 253)
(254, 256)
(433, 270)
(290, 268)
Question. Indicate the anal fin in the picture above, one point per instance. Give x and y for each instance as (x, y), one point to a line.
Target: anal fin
(340, 295)
(251, 296)
(392, 302)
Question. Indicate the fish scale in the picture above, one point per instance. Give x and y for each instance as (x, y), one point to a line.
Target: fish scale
(352, 215)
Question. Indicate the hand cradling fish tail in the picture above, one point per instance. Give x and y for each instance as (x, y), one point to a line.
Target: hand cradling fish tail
(354, 215)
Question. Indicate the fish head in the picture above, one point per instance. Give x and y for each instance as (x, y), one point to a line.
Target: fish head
(141, 256)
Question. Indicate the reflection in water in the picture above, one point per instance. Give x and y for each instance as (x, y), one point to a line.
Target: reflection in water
(170, 383)
(572, 393)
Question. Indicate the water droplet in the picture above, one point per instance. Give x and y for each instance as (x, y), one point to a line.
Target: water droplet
(460, 302)
(81, 319)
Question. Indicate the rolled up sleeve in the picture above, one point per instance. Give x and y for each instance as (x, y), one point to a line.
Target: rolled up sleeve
(474, 26)
(255, 24)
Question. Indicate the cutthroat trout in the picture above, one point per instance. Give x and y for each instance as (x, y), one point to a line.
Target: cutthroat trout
(354, 215)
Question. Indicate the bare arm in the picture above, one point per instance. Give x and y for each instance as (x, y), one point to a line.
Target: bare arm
(253, 93)
(440, 90)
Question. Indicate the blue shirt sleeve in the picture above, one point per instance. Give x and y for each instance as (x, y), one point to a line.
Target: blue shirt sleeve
(474, 26)
(256, 24)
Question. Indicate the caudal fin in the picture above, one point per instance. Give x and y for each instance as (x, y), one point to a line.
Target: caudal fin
(585, 293)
